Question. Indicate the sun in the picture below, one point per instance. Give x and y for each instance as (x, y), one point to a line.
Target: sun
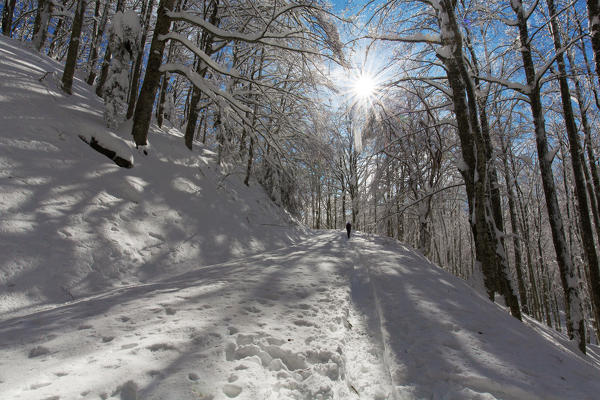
(364, 86)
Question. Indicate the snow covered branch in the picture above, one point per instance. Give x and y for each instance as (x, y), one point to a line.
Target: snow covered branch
(542, 71)
(506, 83)
(416, 38)
(206, 87)
(201, 54)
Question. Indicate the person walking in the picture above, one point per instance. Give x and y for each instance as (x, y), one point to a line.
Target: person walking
(348, 228)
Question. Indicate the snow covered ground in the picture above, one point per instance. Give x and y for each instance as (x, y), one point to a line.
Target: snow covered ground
(172, 280)
(73, 222)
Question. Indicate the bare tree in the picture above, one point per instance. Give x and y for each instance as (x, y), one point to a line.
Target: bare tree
(71, 63)
(7, 16)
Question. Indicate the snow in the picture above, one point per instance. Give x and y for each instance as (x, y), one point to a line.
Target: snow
(126, 25)
(201, 54)
(171, 280)
(444, 51)
(73, 222)
(552, 154)
(260, 36)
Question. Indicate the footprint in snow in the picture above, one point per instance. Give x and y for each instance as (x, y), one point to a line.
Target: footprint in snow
(157, 236)
(36, 386)
(129, 391)
(201, 341)
(161, 347)
(232, 391)
(301, 322)
(38, 351)
(232, 330)
(170, 310)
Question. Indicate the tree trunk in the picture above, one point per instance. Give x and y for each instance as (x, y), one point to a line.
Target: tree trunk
(515, 230)
(475, 172)
(137, 68)
(524, 224)
(594, 20)
(318, 201)
(69, 72)
(335, 224)
(42, 18)
(106, 63)
(7, 16)
(594, 192)
(587, 234)
(344, 219)
(162, 97)
(103, 72)
(575, 322)
(145, 104)
(98, 33)
(250, 160)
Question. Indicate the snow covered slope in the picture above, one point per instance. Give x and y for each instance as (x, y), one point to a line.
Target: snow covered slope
(172, 280)
(443, 340)
(72, 222)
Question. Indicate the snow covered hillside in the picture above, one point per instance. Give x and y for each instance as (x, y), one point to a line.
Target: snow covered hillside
(72, 222)
(172, 280)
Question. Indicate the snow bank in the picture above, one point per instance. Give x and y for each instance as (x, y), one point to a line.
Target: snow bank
(73, 223)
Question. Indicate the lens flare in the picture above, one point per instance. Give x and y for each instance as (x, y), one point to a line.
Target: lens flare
(364, 87)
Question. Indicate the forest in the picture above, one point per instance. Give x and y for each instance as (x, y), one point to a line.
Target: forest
(466, 129)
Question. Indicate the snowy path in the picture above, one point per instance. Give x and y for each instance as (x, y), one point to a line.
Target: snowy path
(325, 319)
(282, 324)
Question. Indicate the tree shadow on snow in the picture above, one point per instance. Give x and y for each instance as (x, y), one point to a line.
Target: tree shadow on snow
(444, 339)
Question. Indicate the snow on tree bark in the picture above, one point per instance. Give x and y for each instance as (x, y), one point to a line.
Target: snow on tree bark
(145, 104)
(568, 274)
(40, 29)
(125, 32)
(587, 234)
(488, 238)
(106, 62)
(98, 32)
(515, 230)
(206, 44)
